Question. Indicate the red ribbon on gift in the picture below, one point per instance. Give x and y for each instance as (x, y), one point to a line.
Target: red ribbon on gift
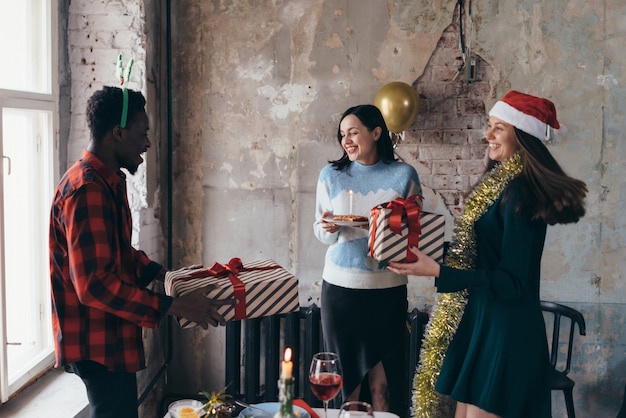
(231, 270)
(408, 208)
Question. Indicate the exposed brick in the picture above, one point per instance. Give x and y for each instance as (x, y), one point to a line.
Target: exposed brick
(422, 168)
(449, 182)
(426, 122)
(451, 122)
(77, 22)
(112, 22)
(473, 106)
(449, 38)
(124, 39)
(477, 152)
(457, 121)
(444, 152)
(471, 167)
(456, 89)
(476, 136)
(444, 73)
(97, 32)
(432, 137)
(444, 167)
(474, 179)
(411, 136)
(455, 136)
(451, 198)
(81, 56)
(477, 122)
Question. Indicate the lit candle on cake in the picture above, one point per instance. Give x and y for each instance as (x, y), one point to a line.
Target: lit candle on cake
(287, 367)
(351, 201)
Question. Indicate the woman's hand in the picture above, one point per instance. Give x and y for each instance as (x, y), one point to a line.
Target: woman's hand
(424, 266)
(328, 226)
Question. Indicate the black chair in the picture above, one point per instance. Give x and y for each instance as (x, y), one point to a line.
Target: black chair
(622, 411)
(560, 369)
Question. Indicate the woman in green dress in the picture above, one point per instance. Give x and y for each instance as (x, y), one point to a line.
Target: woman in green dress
(496, 362)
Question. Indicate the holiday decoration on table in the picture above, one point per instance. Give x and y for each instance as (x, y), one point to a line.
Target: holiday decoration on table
(217, 405)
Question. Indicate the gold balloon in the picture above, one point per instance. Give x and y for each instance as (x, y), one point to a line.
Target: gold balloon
(399, 104)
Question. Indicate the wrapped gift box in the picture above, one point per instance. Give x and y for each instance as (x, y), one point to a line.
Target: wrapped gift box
(396, 226)
(263, 288)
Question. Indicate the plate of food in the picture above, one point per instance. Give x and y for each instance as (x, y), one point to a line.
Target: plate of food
(185, 408)
(268, 409)
(347, 220)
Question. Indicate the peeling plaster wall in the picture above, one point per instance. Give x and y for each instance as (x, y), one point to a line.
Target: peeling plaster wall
(259, 86)
(258, 90)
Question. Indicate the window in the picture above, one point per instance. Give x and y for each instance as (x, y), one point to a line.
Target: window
(28, 125)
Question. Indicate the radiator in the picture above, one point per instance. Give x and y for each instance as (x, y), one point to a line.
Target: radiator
(255, 347)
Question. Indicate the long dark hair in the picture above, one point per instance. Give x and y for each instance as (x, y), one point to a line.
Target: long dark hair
(104, 110)
(553, 196)
(371, 117)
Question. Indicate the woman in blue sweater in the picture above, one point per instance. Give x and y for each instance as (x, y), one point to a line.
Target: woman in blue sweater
(363, 307)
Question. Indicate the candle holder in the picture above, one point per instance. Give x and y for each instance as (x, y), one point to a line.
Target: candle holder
(285, 398)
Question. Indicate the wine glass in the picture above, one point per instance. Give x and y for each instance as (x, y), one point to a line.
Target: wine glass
(356, 409)
(325, 377)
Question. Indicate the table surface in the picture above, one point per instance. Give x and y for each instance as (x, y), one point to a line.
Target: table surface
(334, 413)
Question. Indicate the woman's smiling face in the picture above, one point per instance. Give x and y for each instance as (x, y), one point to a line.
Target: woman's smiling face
(358, 141)
(501, 138)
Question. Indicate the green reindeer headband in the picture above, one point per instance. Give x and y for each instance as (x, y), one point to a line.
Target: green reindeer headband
(124, 76)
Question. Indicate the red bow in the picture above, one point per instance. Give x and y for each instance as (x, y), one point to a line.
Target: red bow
(232, 269)
(401, 208)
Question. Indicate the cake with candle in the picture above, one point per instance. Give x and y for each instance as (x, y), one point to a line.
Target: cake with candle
(350, 218)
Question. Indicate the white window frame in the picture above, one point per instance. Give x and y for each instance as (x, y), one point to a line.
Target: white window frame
(49, 102)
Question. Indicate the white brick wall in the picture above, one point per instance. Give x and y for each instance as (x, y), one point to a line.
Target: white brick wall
(98, 32)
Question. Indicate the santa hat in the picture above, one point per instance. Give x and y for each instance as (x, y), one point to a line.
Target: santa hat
(533, 115)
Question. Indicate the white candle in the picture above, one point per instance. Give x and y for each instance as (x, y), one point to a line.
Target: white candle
(351, 201)
(287, 367)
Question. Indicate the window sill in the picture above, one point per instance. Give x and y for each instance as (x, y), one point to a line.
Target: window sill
(55, 395)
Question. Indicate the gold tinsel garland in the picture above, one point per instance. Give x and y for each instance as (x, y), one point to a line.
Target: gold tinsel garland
(449, 308)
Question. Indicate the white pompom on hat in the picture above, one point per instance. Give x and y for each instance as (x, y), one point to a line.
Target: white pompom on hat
(534, 115)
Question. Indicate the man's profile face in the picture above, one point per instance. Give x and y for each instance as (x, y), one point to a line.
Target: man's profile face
(134, 142)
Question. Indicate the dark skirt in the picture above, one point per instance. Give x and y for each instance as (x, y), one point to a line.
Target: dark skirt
(365, 327)
(498, 359)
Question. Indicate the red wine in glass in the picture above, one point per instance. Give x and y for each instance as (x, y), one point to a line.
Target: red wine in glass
(325, 377)
(325, 386)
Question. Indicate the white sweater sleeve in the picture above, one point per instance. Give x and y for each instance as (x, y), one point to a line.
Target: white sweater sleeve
(323, 204)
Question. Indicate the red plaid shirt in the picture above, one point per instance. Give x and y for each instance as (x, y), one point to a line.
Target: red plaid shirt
(99, 298)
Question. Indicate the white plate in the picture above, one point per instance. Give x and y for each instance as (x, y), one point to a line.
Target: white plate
(176, 406)
(345, 223)
(271, 408)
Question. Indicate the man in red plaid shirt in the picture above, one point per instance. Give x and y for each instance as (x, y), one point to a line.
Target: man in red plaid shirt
(100, 299)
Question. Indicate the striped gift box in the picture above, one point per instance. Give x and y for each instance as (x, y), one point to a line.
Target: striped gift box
(386, 245)
(265, 287)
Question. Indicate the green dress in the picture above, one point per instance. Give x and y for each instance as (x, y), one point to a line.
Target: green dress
(498, 359)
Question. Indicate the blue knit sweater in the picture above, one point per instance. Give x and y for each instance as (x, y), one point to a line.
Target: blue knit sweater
(347, 263)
